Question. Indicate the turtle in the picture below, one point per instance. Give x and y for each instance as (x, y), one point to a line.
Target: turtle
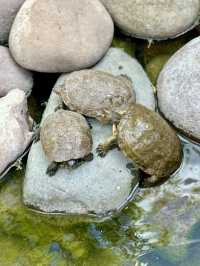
(97, 94)
(66, 140)
(148, 140)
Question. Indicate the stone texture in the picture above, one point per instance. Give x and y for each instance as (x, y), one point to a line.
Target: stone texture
(179, 89)
(101, 186)
(12, 76)
(59, 35)
(15, 127)
(155, 19)
(8, 11)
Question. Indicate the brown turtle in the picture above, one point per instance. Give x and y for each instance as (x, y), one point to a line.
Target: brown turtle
(97, 94)
(66, 140)
(147, 139)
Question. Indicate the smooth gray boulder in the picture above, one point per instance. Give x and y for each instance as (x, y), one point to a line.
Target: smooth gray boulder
(12, 76)
(8, 11)
(178, 89)
(15, 128)
(101, 186)
(154, 19)
(60, 36)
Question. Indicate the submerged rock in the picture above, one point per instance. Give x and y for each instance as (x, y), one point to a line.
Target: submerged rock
(102, 185)
(157, 19)
(12, 76)
(15, 127)
(8, 11)
(60, 36)
(178, 89)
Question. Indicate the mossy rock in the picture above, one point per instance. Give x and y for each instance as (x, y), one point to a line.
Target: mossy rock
(154, 67)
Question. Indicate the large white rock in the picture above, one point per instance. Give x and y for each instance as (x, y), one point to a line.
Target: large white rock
(60, 35)
(154, 19)
(12, 76)
(179, 89)
(101, 186)
(15, 128)
(8, 11)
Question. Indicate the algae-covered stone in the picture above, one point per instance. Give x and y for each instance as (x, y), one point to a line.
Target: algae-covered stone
(60, 36)
(155, 19)
(12, 76)
(178, 89)
(154, 67)
(8, 11)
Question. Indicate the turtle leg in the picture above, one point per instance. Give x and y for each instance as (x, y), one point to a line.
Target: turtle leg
(73, 164)
(37, 134)
(52, 168)
(109, 144)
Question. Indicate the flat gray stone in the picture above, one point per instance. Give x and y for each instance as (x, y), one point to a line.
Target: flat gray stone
(12, 76)
(8, 11)
(154, 19)
(179, 89)
(60, 36)
(101, 186)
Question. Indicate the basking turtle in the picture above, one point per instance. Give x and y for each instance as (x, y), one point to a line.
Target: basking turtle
(147, 139)
(97, 94)
(66, 140)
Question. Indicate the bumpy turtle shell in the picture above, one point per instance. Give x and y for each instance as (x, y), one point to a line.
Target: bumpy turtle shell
(65, 135)
(147, 139)
(96, 94)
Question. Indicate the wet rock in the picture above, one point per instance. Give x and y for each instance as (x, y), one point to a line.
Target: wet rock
(15, 127)
(158, 19)
(117, 62)
(8, 11)
(179, 89)
(12, 76)
(102, 185)
(60, 36)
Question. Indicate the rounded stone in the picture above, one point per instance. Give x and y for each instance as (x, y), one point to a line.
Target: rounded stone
(178, 89)
(154, 19)
(8, 11)
(59, 35)
(15, 127)
(12, 76)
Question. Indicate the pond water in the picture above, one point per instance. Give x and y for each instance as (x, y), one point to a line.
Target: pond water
(160, 227)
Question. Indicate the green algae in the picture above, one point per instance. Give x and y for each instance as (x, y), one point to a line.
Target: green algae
(154, 67)
(125, 43)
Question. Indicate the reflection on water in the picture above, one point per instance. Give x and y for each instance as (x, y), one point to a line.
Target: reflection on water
(160, 228)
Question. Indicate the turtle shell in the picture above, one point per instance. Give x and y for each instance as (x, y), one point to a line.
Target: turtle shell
(97, 94)
(65, 135)
(147, 139)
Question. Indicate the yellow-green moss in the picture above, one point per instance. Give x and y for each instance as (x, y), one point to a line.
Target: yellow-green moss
(124, 43)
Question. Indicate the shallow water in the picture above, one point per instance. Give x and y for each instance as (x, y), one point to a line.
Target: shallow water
(161, 227)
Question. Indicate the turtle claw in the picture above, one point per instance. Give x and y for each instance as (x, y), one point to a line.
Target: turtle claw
(52, 169)
(101, 151)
